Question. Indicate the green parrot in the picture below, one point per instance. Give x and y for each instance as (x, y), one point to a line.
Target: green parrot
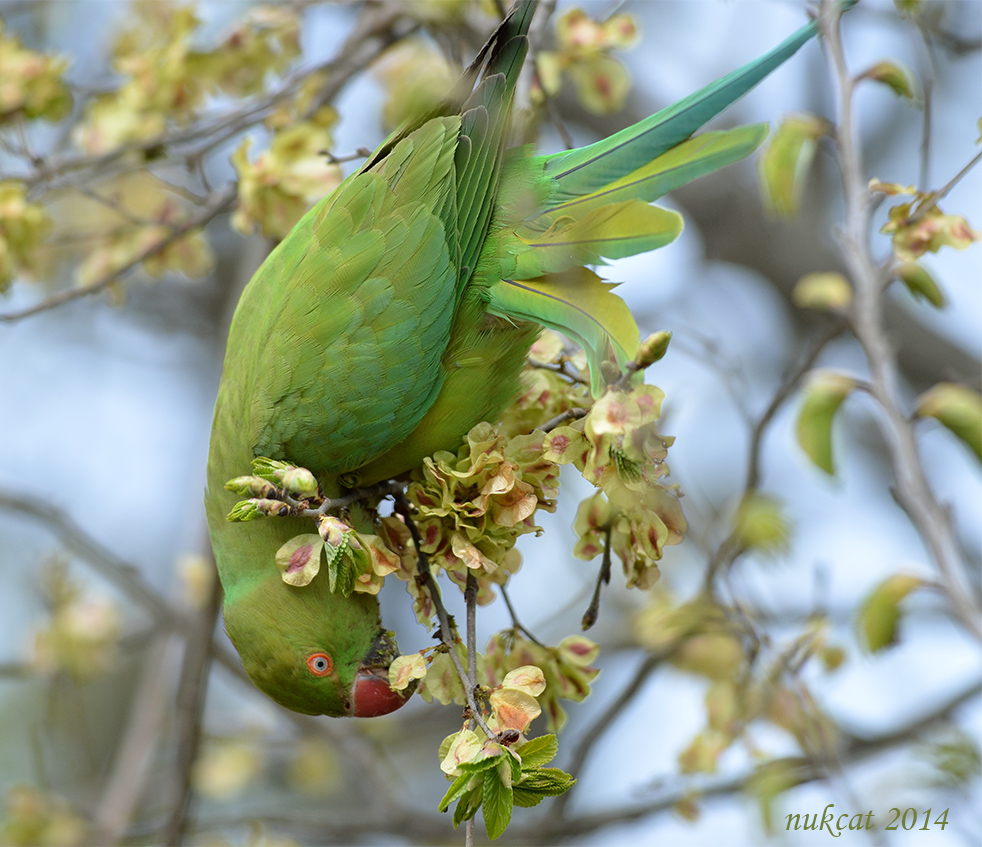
(398, 314)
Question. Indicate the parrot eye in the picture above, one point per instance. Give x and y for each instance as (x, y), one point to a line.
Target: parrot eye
(320, 664)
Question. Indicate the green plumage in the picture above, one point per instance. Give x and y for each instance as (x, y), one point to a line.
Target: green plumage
(398, 314)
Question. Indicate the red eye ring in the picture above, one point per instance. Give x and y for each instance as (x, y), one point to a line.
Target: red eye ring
(320, 664)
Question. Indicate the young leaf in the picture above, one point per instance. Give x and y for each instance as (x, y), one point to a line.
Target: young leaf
(342, 573)
(823, 396)
(467, 806)
(482, 765)
(880, 612)
(497, 803)
(957, 407)
(785, 160)
(769, 781)
(830, 291)
(921, 284)
(550, 782)
(525, 797)
(895, 75)
(538, 751)
(460, 786)
(760, 523)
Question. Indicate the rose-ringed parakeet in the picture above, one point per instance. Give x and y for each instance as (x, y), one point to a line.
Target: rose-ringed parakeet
(398, 314)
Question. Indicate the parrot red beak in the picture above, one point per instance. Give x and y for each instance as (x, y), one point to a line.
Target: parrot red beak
(371, 693)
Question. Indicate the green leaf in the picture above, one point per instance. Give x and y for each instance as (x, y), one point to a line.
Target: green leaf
(244, 510)
(880, 612)
(482, 765)
(537, 752)
(957, 759)
(921, 284)
(342, 574)
(526, 798)
(268, 468)
(785, 160)
(457, 789)
(770, 780)
(515, 766)
(823, 396)
(760, 523)
(550, 782)
(829, 291)
(957, 407)
(896, 76)
(467, 806)
(497, 805)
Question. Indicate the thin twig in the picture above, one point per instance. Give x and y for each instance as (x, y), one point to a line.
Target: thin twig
(590, 736)
(470, 603)
(374, 33)
(569, 415)
(380, 489)
(516, 623)
(603, 578)
(550, 830)
(143, 733)
(191, 693)
(124, 575)
(914, 495)
(813, 350)
(932, 199)
(219, 204)
(447, 633)
(563, 369)
(360, 153)
(731, 547)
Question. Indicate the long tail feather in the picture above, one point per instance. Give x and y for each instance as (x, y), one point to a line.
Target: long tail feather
(581, 305)
(693, 158)
(590, 168)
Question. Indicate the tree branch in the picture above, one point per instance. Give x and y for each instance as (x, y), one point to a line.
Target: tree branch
(447, 634)
(191, 692)
(913, 493)
(222, 202)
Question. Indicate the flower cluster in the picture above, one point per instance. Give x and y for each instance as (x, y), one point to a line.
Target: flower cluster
(472, 505)
(921, 227)
(285, 180)
(496, 774)
(617, 447)
(547, 392)
(167, 79)
(137, 214)
(82, 635)
(356, 561)
(23, 226)
(31, 83)
(567, 668)
(601, 82)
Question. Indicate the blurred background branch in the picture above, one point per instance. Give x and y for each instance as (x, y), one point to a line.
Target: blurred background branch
(808, 641)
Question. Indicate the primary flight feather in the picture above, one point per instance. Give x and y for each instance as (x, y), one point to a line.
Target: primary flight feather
(398, 314)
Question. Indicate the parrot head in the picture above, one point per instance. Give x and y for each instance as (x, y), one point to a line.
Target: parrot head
(315, 652)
